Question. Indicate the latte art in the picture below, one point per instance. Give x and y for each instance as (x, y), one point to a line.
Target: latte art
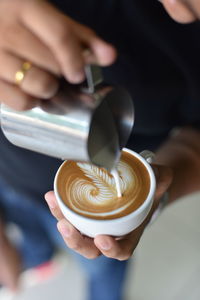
(99, 192)
(91, 191)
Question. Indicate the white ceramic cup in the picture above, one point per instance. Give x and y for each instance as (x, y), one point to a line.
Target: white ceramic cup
(114, 227)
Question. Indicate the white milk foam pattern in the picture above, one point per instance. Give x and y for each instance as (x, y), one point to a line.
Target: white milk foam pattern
(100, 191)
(115, 174)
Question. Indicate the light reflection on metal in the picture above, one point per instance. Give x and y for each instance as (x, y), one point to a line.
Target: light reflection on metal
(75, 124)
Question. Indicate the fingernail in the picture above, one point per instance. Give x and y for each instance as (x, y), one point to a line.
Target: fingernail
(51, 203)
(78, 77)
(64, 230)
(105, 245)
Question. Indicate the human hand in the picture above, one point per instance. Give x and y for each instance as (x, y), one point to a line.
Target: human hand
(120, 249)
(10, 264)
(183, 11)
(55, 45)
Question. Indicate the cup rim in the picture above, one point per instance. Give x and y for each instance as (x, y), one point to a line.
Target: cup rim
(119, 219)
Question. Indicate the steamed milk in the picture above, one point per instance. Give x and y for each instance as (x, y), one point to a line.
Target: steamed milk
(91, 191)
(117, 182)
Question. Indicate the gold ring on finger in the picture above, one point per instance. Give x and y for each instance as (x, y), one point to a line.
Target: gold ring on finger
(20, 74)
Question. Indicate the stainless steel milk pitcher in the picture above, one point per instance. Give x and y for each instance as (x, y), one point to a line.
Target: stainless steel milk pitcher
(89, 124)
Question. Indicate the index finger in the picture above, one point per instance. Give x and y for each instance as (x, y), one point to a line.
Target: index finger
(53, 206)
(76, 241)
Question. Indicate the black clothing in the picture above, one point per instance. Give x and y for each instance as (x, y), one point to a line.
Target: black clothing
(158, 62)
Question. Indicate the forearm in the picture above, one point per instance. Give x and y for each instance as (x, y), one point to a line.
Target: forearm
(181, 152)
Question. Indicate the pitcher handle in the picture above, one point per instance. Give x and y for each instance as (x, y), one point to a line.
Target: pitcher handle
(93, 77)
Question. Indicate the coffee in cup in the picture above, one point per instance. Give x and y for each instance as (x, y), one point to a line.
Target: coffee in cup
(88, 195)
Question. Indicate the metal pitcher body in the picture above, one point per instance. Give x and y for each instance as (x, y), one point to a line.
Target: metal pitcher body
(75, 125)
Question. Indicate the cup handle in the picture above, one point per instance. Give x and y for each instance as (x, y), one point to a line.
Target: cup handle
(149, 156)
(94, 77)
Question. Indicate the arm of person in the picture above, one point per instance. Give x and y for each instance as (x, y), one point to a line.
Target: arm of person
(181, 152)
(10, 262)
(181, 155)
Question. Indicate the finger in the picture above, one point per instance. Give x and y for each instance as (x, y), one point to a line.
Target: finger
(193, 8)
(37, 82)
(58, 32)
(21, 42)
(110, 247)
(182, 11)
(76, 241)
(101, 52)
(15, 97)
(70, 57)
(53, 206)
(55, 30)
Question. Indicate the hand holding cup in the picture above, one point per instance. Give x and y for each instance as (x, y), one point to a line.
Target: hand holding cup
(119, 248)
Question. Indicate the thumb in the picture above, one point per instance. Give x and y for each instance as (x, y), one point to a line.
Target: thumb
(164, 177)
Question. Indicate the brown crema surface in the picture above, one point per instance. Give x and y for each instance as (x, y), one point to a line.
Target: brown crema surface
(90, 191)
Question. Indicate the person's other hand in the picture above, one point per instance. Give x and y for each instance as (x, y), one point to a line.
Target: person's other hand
(183, 11)
(120, 249)
(36, 32)
(10, 264)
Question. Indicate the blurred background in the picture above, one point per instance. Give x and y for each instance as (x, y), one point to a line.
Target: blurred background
(166, 264)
